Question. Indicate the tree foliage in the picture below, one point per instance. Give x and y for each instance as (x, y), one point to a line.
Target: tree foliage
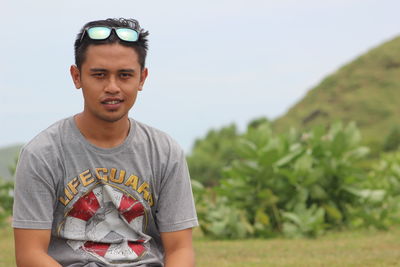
(6, 196)
(210, 155)
(382, 207)
(294, 184)
(6, 200)
(392, 141)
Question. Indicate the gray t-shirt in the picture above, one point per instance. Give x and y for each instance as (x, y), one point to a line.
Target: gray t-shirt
(105, 207)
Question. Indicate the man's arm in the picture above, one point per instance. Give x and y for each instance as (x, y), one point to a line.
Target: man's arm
(31, 248)
(178, 248)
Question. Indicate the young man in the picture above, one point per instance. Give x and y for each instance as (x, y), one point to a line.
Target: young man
(99, 188)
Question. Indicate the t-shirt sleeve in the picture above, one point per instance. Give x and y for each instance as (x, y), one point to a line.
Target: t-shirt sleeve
(175, 209)
(34, 193)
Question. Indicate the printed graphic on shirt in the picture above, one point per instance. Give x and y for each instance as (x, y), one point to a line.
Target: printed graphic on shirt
(106, 222)
(105, 175)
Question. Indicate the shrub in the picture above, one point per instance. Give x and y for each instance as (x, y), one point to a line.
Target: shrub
(6, 200)
(392, 141)
(295, 185)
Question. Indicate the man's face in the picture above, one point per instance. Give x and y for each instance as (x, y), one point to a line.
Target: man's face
(110, 78)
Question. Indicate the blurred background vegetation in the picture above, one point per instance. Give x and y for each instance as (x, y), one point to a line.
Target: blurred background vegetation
(331, 163)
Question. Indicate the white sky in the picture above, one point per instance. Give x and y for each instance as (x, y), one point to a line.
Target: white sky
(210, 62)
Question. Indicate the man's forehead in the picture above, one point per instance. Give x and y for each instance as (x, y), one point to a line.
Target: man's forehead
(114, 56)
(107, 70)
(112, 49)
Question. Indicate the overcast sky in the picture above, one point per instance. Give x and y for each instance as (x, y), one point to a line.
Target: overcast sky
(210, 63)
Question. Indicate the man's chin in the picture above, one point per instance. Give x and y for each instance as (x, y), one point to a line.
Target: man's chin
(112, 119)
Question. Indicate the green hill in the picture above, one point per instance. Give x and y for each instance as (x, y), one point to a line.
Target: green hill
(8, 155)
(367, 91)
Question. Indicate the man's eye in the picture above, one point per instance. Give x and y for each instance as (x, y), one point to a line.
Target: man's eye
(98, 75)
(126, 75)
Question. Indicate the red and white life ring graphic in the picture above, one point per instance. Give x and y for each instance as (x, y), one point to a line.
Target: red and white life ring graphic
(107, 223)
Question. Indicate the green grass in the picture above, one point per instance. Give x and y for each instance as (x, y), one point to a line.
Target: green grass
(7, 258)
(336, 249)
(339, 249)
(362, 248)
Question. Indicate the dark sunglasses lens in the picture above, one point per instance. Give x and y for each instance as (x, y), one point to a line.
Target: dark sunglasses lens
(128, 35)
(99, 33)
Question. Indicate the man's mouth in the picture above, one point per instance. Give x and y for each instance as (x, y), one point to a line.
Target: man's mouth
(111, 102)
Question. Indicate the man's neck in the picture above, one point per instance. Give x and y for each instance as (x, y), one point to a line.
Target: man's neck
(102, 133)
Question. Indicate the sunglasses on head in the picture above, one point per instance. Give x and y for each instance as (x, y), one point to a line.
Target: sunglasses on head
(103, 32)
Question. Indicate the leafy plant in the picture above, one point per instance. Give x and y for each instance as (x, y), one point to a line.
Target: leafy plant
(392, 141)
(211, 154)
(217, 217)
(295, 184)
(6, 200)
(380, 207)
(299, 184)
(304, 221)
(6, 195)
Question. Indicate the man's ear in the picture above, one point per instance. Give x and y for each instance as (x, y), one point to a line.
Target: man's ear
(143, 76)
(76, 76)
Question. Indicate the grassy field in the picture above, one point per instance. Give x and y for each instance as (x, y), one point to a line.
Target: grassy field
(6, 248)
(364, 249)
(339, 249)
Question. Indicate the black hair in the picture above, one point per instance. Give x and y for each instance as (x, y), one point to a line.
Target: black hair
(140, 46)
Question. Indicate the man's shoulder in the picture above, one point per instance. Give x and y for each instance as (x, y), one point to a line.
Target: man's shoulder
(155, 138)
(47, 138)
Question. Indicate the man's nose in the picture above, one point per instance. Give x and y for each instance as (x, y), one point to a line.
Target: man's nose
(112, 86)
